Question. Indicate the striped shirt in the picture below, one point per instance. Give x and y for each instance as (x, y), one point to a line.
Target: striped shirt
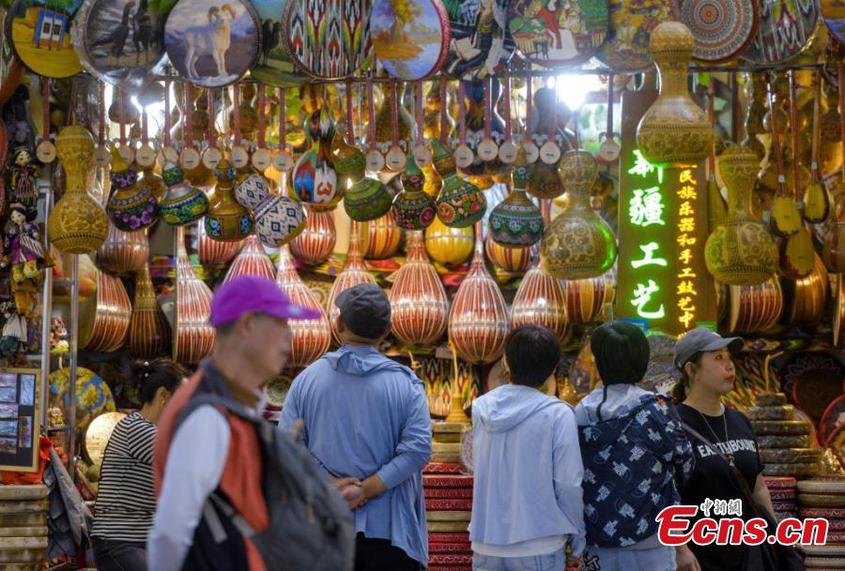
(126, 501)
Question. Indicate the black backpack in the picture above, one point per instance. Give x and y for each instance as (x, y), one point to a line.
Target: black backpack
(310, 525)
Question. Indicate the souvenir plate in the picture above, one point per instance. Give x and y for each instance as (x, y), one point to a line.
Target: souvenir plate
(631, 23)
(120, 41)
(41, 39)
(481, 39)
(328, 39)
(414, 46)
(212, 43)
(275, 66)
(11, 68)
(722, 28)
(833, 12)
(558, 32)
(786, 28)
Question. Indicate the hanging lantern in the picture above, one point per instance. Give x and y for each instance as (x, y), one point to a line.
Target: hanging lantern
(149, 332)
(460, 203)
(193, 335)
(313, 178)
(366, 198)
(578, 244)
(354, 273)
(674, 131)
(77, 224)
(418, 302)
(132, 206)
(449, 246)
(226, 221)
(516, 222)
(384, 237)
(316, 242)
(310, 338)
(478, 321)
(251, 261)
(278, 219)
(123, 251)
(413, 208)
(182, 203)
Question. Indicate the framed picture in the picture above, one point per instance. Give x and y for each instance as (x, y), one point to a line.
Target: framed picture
(20, 414)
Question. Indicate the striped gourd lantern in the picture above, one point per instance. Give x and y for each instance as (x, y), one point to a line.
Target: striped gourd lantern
(123, 252)
(310, 338)
(354, 272)
(478, 321)
(149, 332)
(540, 300)
(316, 243)
(385, 236)
(251, 261)
(193, 335)
(514, 260)
(418, 302)
(213, 252)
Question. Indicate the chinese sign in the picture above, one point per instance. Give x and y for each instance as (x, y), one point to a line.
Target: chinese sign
(662, 279)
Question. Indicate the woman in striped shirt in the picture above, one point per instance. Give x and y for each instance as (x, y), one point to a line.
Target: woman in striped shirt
(126, 499)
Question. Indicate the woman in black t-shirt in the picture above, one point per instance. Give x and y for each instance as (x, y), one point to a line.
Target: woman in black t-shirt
(708, 373)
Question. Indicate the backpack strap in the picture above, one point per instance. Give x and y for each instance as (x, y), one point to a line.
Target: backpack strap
(217, 401)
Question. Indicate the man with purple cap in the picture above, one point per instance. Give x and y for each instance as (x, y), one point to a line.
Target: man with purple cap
(365, 416)
(211, 450)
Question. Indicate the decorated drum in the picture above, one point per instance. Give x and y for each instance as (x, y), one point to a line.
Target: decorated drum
(833, 12)
(410, 38)
(328, 39)
(631, 23)
(786, 28)
(41, 38)
(120, 41)
(558, 32)
(722, 29)
(212, 43)
(481, 39)
(275, 66)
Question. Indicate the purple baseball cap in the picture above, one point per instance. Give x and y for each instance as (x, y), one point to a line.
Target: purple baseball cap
(252, 294)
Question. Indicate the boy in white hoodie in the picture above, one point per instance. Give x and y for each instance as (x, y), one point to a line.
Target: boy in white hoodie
(526, 503)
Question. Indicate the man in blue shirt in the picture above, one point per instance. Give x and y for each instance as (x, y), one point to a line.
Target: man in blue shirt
(527, 501)
(366, 417)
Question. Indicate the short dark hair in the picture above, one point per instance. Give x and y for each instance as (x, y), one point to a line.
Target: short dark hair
(532, 353)
(149, 376)
(621, 352)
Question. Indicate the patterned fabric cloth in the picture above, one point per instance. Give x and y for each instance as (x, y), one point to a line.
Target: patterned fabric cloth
(631, 462)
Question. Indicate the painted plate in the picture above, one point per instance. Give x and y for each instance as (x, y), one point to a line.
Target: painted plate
(121, 41)
(558, 32)
(275, 66)
(328, 39)
(11, 68)
(786, 28)
(410, 37)
(481, 40)
(212, 43)
(723, 29)
(631, 23)
(41, 39)
(833, 13)
(67, 6)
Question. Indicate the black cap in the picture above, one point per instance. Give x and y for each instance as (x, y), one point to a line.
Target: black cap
(365, 310)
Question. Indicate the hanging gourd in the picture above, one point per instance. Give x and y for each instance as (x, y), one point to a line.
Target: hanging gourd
(313, 178)
(740, 251)
(578, 244)
(460, 203)
(512, 260)
(383, 237)
(149, 332)
(674, 131)
(226, 221)
(278, 219)
(182, 202)
(516, 222)
(132, 206)
(366, 198)
(449, 246)
(413, 208)
(354, 273)
(418, 302)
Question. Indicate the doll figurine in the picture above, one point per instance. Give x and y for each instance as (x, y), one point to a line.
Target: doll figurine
(22, 244)
(23, 178)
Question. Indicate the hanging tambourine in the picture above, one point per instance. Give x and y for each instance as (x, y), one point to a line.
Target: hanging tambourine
(631, 23)
(481, 39)
(212, 44)
(120, 41)
(275, 66)
(786, 29)
(554, 34)
(722, 29)
(410, 48)
(328, 39)
(41, 39)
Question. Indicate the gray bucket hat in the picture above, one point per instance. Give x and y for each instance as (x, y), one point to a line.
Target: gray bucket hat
(702, 340)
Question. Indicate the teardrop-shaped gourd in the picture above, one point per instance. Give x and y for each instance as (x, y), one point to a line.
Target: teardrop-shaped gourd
(578, 244)
(313, 178)
(132, 206)
(512, 260)
(182, 202)
(797, 255)
(413, 208)
(540, 300)
(193, 335)
(226, 221)
(77, 224)
(418, 302)
(516, 222)
(460, 203)
(214, 252)
(384, 237)
(674, 131)
(354, 272)
(149, 332)
(478, 320)
(316, 242)
(278, 218)
(366, 198)
(449, 246)
(740, 251)
(252, 260)
(310, 338)
(123, 251)
(816, 203)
